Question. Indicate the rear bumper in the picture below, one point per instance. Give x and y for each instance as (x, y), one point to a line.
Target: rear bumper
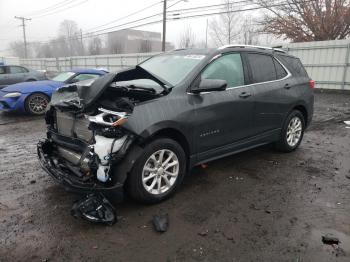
(68, 180)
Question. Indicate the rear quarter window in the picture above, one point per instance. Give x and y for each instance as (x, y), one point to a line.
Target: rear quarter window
(280, 71)
(293, 64)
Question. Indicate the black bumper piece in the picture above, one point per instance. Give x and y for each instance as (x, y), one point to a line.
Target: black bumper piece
(69, 181)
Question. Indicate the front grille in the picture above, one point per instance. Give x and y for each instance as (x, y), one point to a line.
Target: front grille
(68, 125)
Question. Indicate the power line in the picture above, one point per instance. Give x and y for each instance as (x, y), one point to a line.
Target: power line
(60, 10)
(50, 8)
(126, 16)
(230, 11)
(93, 34)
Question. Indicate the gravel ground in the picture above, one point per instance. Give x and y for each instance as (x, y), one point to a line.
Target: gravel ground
(259, 205)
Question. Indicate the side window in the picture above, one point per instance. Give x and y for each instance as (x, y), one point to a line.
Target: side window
(262, 67)
(228, 67)
(2, 70)
(294, 65)
(280, 72)
(82, 77)
(17, 70)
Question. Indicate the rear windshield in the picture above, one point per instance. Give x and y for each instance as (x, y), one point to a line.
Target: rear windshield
(172, 68)
(293, 64)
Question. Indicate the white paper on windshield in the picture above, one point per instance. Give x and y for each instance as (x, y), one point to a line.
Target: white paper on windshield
(198, 57)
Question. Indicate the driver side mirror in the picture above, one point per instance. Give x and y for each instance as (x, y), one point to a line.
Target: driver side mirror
(208, 85)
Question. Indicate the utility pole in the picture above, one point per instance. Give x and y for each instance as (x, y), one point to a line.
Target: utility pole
(164, 25)
(23, 19)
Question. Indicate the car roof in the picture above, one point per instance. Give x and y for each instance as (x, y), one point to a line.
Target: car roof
(228, 48)
(88, 71)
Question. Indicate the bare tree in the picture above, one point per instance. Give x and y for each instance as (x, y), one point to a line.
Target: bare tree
(95, 46)
(71, 33)
(187, 38)
(225, 29)
(145, 46)
(307, 20)
(250, 32)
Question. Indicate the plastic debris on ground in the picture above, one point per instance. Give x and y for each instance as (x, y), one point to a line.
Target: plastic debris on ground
(161, 222)
(95, 208)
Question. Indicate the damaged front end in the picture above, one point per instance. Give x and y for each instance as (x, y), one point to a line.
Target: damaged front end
(86, 142)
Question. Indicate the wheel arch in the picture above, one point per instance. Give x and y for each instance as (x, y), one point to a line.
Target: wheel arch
(303, 110)
(122, 169)
(174, 134)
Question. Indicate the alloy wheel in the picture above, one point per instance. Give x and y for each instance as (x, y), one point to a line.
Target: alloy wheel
(37, 104)
(294, 131)
(160, 172)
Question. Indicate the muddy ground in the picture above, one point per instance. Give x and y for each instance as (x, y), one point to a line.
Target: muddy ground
(259, 205)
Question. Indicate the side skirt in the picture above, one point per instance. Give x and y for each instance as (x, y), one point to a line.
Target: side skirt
(236, 147)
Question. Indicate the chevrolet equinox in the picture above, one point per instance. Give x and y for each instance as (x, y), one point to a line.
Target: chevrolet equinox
(142, 129)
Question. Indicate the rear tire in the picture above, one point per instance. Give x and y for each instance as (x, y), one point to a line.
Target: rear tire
(292, 132)
(158, 172)
(36, 103)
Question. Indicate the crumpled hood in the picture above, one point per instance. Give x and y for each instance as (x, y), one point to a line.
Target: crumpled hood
(27, 87)
(84, 96)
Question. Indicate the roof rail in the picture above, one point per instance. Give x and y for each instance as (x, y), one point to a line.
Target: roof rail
(252, 46)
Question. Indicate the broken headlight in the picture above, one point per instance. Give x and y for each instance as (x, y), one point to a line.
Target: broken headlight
(109, 118)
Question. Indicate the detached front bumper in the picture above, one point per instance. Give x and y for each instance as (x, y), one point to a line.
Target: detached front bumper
(68, 180)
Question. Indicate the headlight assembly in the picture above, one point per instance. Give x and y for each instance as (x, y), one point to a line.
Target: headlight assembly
(12, 95)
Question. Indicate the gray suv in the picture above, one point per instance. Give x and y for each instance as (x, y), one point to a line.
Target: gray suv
(13, 74)
(142, 129)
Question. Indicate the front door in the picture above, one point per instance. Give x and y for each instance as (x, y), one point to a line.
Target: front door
(223, 117)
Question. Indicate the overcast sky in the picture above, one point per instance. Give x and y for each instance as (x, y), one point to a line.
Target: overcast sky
(89, 14)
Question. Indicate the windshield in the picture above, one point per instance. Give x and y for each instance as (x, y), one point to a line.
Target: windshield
(63, 76)
(172, 68)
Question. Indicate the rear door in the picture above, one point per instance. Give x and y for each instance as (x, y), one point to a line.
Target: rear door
(271, 82)
(223, 117)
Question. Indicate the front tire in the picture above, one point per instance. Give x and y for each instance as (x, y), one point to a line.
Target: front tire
(292, 132)
(36, 103)
(158, 172)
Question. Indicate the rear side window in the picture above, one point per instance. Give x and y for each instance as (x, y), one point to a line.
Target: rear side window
(2, 70)
(280, 72)
(227, 67)
(17, 69)
(262, 68)
(294, 65)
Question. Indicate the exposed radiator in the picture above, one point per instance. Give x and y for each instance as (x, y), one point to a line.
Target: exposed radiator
(65, 122)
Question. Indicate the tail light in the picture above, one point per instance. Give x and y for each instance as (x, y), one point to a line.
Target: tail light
(312, 84)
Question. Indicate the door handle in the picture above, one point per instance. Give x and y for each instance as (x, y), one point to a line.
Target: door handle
(244, 95)
(287, 86)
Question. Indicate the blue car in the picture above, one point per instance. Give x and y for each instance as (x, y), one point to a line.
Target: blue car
(33, 97)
